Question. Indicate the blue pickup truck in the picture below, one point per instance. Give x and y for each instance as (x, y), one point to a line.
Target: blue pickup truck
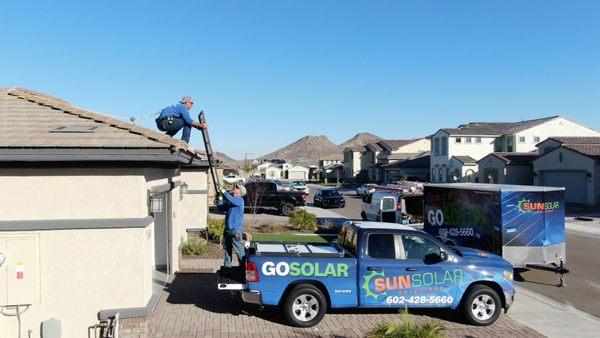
(373, 265)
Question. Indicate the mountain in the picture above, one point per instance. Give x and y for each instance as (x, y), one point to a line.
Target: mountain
(307, 150)
(359, 140)
(227, 160)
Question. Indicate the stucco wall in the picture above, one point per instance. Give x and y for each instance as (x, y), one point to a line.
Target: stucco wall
(82, 272)
(491, 162)
(519, 174)
(415, 147)
(555, 127)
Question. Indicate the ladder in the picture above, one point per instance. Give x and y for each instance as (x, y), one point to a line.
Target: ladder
(209, 152)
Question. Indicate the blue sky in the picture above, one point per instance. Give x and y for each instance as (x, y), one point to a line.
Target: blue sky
(270, 72)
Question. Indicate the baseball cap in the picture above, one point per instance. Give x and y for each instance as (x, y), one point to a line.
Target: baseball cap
(187, 99)
(242, 190)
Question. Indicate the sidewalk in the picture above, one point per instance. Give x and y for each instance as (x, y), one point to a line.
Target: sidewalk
(545, 315)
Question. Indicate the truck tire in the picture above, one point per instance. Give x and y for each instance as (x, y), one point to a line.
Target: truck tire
(482, 306)
(286, 209)
(305, 306)
(363, 216)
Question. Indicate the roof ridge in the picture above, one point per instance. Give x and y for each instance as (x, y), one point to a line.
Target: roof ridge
(56, 103)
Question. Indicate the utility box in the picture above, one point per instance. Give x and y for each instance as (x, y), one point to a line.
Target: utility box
(523, 224)
(20, 274)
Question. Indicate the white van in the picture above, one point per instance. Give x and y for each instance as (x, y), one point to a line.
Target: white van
(389, 206)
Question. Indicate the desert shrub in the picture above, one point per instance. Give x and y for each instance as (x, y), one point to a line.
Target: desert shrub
(195, 248)
(216, 227)
(304, 220)
(273, 228)
(407, 328)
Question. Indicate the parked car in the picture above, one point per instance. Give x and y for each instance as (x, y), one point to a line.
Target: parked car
(365, 189)
(373, 265)
(392, 206)
(232, 179)
(300, 186)
(281, 186)
(329, 198)
(265, 194)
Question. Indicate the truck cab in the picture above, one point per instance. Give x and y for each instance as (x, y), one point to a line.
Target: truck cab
(375, 265)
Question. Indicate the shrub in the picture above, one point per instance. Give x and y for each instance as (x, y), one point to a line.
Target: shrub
(304, 220)
(273, 228)
(195, 248)
(216, 227)
(407, 328)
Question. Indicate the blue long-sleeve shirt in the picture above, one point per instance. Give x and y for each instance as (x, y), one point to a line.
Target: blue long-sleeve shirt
(178, 110)
(234, 206)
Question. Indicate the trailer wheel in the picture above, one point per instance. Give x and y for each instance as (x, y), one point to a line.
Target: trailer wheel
(482, 306)
(287, 209)
(305, 306)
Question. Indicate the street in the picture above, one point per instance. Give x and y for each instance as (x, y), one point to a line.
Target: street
(582, 289)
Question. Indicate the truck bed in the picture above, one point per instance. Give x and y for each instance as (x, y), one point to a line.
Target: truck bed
(314, 250)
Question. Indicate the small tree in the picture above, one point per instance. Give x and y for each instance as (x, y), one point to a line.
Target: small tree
(254, 197)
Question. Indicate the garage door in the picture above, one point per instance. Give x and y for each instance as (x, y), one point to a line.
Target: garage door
(575, 184)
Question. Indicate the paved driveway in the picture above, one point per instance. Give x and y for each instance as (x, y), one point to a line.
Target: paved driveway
(191, 306)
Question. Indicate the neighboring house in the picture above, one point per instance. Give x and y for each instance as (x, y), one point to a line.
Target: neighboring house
(353, 159)
(507, 168)
(332, 173)
(330, 160)
(412, 169)
(572, 163)
(464, 168)
(478, 139)
(88, 205)
(387, 151)
(298, 173)
(273, 172)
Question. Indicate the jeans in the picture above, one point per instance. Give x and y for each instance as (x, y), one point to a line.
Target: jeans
(230, 242)
(175, 126)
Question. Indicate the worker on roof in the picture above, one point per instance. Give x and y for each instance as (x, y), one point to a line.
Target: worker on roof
(174, 118)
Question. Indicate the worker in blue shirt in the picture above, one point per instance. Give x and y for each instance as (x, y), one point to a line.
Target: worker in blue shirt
(233, 205)
(174, 118)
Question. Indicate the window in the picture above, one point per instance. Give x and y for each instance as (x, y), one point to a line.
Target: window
(444, 141)
(458, 140)
(436, 146)
(468, 140)
(417, 247)
(536, 139)
(521, 139)
(381, 246)
(347, 239)
(478, 140)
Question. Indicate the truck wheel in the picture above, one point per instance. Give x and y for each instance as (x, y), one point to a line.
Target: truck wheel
(305, 306)
(482, 306)
(363, 216)
(287, 209)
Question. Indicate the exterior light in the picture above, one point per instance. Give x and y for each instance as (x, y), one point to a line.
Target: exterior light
(156, 203)
(183, 190)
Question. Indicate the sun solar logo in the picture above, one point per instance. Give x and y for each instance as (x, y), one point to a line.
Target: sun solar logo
(528, 206)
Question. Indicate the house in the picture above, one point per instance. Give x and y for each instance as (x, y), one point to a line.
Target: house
(573, 163)
(507, 168)
(478, 139)
(298, 172)
(273, 172)
(330, 160)
(366, 160)
(88, 205)
(354, 160)
(332, 173)
(412, 169)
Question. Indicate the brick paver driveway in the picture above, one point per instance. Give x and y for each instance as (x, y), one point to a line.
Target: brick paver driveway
(193, 307)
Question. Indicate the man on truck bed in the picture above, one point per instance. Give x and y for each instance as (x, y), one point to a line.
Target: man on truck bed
(234, 223)
(174, 118)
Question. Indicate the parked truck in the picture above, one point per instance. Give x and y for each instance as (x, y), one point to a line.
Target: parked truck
(265, 194)
(373, 265)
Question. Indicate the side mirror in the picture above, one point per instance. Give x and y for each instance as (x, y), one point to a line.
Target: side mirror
(2, 258)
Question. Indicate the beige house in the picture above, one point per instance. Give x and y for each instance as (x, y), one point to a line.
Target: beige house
(412, 169)
(93, 214)
(297, 172)
(478, 139)
(507, 168)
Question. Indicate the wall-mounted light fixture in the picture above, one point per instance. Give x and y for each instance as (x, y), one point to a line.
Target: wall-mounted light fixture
(156, 202)
(183, 190)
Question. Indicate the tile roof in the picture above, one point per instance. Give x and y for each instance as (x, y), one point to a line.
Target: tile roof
(32, 120)
(396, 144)
(496, 128)
(416, 162)
(374, 147)
(576, 139)
(590, 150)
(515, 158)
(466, 159)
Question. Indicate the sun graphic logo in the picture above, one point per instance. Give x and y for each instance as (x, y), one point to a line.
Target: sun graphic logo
(521, 205)
(367, 285)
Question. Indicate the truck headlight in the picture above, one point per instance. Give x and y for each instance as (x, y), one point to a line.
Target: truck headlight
(508, 274)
